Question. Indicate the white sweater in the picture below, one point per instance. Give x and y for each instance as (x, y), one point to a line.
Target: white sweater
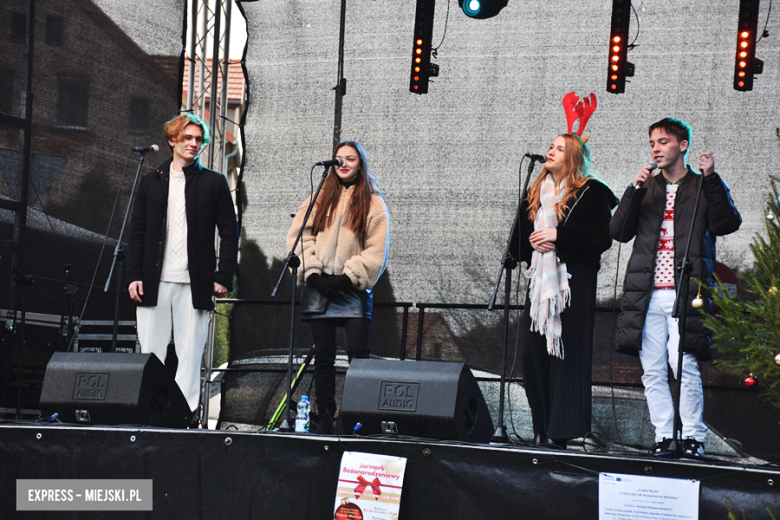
(174, 268)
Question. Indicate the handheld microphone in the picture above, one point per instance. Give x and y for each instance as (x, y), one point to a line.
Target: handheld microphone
(652, 165)
(537, 157)
(153, 148)
(338, 161)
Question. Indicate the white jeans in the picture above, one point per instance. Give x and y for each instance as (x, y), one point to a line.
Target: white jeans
(660, 347)
(190, 328)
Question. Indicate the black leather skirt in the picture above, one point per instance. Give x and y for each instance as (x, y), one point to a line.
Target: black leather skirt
(352, 303)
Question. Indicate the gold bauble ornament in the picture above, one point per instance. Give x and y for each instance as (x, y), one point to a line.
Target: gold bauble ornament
(697, 303)
(777, 359)
(773, 290)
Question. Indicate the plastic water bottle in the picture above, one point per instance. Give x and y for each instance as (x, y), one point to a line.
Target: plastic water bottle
(302, 420)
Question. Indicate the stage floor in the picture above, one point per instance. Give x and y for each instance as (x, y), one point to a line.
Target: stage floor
(236, 474)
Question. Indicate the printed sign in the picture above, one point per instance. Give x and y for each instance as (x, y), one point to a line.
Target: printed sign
(369, 487)
(633, 497)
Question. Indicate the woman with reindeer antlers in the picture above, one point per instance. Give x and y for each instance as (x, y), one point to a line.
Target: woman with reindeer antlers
(564, 228)
(345, 245)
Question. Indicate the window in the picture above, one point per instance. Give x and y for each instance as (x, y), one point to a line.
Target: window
(139, 115)
(72, 101)
(18, 27)
(6, 91)
(54, 31)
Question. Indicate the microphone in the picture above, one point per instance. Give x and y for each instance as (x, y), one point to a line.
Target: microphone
(537, 157)
(338, 161)
(652, 165)
(153, 148)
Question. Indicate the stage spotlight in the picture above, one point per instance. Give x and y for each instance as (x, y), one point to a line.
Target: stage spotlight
(746, 65)
(619, 67)
(422, 68)
(481, 8)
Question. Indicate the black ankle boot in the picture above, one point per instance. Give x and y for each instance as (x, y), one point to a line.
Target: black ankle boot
(325, 423)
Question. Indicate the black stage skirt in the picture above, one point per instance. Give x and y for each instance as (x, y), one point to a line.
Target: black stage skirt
(353, 303)
(559, 390)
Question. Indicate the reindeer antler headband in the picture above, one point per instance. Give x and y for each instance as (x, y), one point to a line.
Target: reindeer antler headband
(579, 109)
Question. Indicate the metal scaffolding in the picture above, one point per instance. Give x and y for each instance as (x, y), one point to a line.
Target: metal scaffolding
(208, 98)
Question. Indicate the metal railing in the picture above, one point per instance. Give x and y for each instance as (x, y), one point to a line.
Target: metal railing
(281, 303)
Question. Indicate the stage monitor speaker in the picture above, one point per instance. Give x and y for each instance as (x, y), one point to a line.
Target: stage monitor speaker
(112, 388)
(418, 398)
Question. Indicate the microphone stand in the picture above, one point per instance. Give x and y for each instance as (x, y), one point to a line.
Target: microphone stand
(68, 292)
(682, 295)
(22, 281)
(508, 262)
(119, 256)
(293, 262)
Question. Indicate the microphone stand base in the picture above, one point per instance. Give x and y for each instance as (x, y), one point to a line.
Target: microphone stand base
(285, 427)
(499, 436)
(675, 449)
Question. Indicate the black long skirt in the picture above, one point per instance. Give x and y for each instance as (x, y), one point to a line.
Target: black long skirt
(559, 390)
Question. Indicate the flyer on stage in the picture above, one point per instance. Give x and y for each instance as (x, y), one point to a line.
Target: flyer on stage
(633, 497)
(369, 487)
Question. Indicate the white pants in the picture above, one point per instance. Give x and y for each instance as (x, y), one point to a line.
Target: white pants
(660, 346)
(190, 328)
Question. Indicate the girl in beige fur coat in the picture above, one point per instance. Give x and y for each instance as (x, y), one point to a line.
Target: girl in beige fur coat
(344, 252)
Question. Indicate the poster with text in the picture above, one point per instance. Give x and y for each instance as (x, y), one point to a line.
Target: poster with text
(369, 487)
(634, 497)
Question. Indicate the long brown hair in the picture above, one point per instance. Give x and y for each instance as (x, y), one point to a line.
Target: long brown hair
(576, 162)
(328, 202)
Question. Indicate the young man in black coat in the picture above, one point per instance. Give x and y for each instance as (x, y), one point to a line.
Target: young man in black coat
(171, 260)
(657, 211)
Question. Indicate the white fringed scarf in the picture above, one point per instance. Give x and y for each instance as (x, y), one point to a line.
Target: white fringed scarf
(549, 281)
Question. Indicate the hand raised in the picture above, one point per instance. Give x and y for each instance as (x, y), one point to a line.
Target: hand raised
(641, 177)
(707, 163)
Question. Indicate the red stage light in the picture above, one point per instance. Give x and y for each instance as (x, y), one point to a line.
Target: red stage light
(422, 68)
(746, 64)
(619, 66)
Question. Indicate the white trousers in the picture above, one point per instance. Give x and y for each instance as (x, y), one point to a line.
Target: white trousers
(190, 328)
(660, 347)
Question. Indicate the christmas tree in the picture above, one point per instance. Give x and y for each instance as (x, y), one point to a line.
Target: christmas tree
(747, 329)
